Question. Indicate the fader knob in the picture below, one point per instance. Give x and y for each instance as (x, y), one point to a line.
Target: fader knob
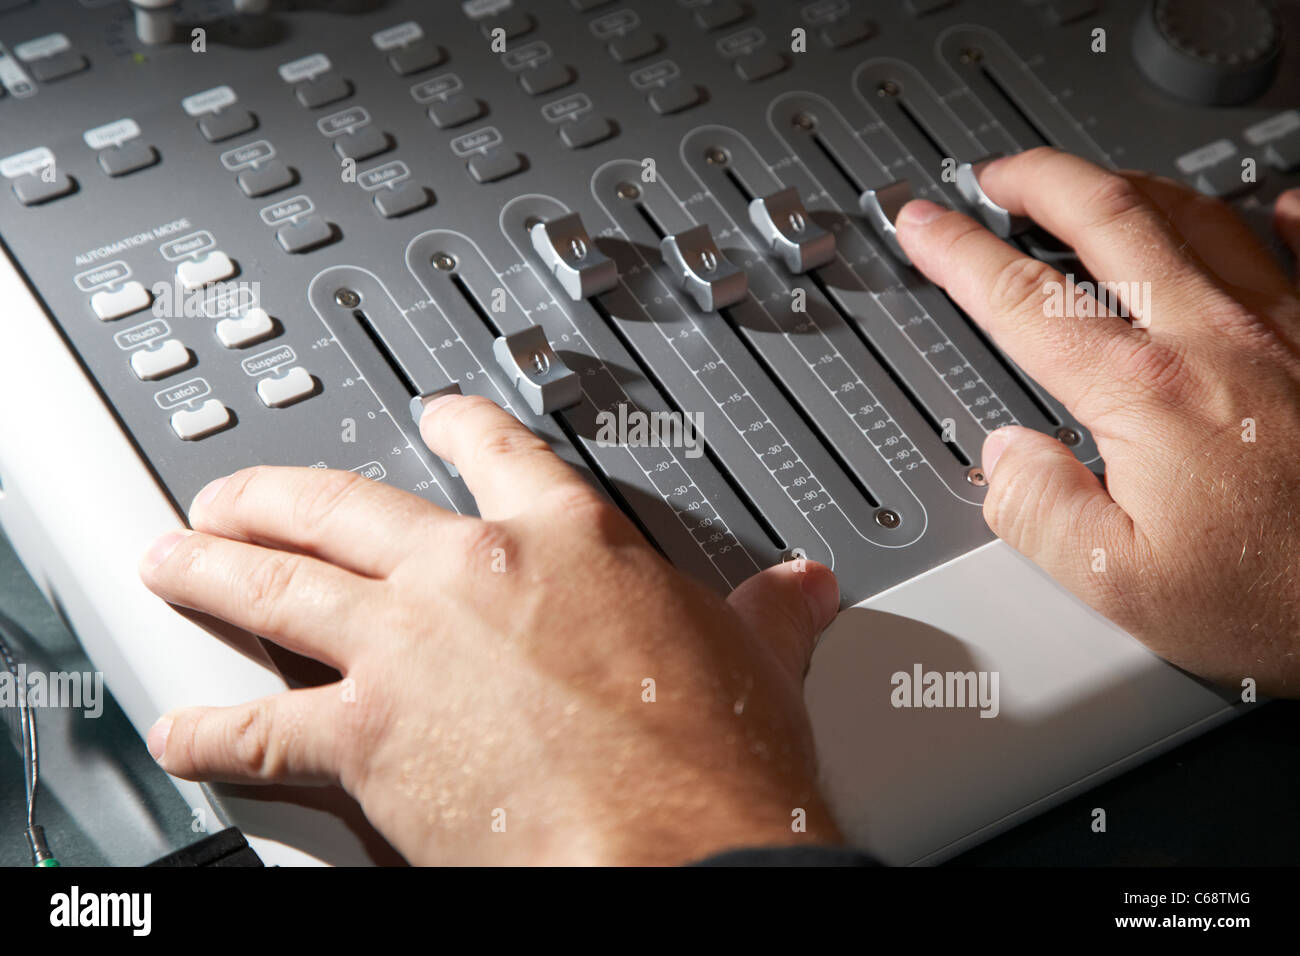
(1207, 51)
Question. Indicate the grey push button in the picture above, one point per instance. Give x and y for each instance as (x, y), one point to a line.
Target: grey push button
(752, 67)
(254, 326)
(1223, 180)
(540, 376)
(128, 158)
(586, 132)
(881, 207)
(216, 266)
(131, 298)
(35, 188)
(1283, 153)
(512, 23)
(293, 386)
(322, 90)
(564, 246)
(998, 220)
(415, 57)
(210, 417)
(308, 233)
(266, 179)
(921, 8)
(634, 46)
(545, 77)
(362, 144)
(675, 98)
(789, 231)
(58, 65)
(400, 200)
(167, 359)
(846, 32)
(701, 270)
(718, 14)
(1060, 12)
(216, 127)
(494, 164)
(455, 111)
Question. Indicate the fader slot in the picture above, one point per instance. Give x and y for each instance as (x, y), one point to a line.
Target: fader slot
(834, 282)
(795, 369)
(1011, 93)
(688, 510)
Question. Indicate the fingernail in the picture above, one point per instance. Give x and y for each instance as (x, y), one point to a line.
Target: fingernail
(822, 591)
(156, 741)
(207, 494)
(991, 164)
(994, 445)
(162, 547)
(920, 211)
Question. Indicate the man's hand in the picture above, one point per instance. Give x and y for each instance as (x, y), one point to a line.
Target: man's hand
(1192, 544)
(534, 686)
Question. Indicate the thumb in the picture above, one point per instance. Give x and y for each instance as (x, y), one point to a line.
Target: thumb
(1047, 505)
(1286, 220)
(787, 606)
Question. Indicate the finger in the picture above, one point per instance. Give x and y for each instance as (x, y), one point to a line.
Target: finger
(1047, 505)
(787, 606)
(300, 603)
(507, 468)
(1286, 220)
(338, 516)
(1217, 235)
(1010, 295)
(289, 738)
(1116, 230)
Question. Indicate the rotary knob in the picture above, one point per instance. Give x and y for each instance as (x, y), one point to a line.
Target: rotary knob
(1209, 52)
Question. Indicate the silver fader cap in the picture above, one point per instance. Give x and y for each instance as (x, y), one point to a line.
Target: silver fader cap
(580, 268)
(701, 269)
(417, 412)
(786, 227)
(998, 220)
(881, 207)
(538, 374)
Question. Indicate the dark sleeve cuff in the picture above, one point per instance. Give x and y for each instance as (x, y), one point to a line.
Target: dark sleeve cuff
(790, 856)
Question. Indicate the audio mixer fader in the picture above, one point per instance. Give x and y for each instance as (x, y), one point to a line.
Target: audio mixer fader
(264, 232)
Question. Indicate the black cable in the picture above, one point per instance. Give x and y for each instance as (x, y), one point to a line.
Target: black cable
(23, 729)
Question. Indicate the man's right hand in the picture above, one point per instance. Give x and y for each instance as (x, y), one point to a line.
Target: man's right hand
(1192, 543)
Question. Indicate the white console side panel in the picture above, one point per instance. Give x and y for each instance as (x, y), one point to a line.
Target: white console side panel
(1080, 700)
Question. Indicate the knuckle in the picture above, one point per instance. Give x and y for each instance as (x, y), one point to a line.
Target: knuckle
(1019, 285)
(1156, 369)
(1115, 198)
(322, 493)
(237, 486)
(507, 441)
(480, 543)
(250, 739)
(269, 584)
(583, 507)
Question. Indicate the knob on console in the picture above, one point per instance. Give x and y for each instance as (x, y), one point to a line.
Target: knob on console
(1207, 51)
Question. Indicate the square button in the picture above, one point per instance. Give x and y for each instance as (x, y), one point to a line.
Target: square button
(674, 98)
(514, 23)
(32, 189)
(455, 111)
(1283, 153)
(760, 64)
(128, 158)
(306, 234)
(542, 79)
(401, 199)
(634, 46)
(586, 131)
(718, 14)
(846, 32)
(496, 163)
(414, 57)
(55, 67)
(322, 90)
(266, 179)
(362, 143)
(216, 127)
